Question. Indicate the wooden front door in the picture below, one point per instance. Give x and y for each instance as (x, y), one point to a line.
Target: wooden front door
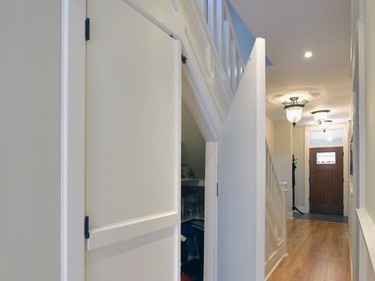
(326, 180)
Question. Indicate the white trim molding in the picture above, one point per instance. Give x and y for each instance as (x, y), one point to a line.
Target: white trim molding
(345, 146)
(367, 246)
(210, 222)
(73, 79)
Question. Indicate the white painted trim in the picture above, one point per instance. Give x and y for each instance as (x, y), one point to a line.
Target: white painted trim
(119, 232)
(284, 190)
(345, 145)
(367, 249)
(289, 214)
(64, 141)
(307, 173)
(210, 224)
(73, 80)
(361, 171)
(260, 54)
(359, 137)
(276, 259)
(207, 121)
(188, 26)
(301, 208)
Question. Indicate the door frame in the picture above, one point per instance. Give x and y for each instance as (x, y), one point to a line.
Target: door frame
(73, 107)
(345, 131)
(210, 209)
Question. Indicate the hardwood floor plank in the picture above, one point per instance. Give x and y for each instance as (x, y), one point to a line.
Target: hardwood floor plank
(317, 251)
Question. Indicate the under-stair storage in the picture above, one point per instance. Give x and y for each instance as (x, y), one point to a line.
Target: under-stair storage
(192, 229)
(192, 198)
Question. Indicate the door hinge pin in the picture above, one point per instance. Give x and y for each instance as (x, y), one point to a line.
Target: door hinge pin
(87, 29)
(87, 227)
(183, 59)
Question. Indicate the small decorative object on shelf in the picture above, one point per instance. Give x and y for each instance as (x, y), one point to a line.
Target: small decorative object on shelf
(185, 172)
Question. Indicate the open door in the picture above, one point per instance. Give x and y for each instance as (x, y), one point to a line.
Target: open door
(241, 178)
(132, 147)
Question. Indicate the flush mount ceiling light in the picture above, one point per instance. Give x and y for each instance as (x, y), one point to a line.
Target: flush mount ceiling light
(320, 115)
(308, 54)
(324, 125)
(309, 94)
(294, 109)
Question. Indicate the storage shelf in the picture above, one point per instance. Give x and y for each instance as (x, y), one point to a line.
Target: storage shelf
(189, 180)
(193, 218)
(192, 182)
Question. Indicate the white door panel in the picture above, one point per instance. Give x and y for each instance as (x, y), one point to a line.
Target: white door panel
(132, 146)
(145, 258)
(241, 178)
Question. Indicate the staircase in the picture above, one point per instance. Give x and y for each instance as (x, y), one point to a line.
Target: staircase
(217, 16)
(220, 27)
(276, 228)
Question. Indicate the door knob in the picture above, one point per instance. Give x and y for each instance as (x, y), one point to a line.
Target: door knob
(311, 179)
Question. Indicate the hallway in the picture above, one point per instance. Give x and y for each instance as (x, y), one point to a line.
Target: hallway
(317, 251)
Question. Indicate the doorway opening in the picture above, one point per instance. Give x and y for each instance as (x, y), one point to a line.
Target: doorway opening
(193, 150)
(326, 180)
(198, 188)
(326, 170)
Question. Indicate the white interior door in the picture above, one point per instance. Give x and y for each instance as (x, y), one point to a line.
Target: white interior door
(241, 178)
(133, 146)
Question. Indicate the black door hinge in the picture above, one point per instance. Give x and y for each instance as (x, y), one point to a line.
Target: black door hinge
(183, 59)
(87, 227)
(217, 189)
(87, 29)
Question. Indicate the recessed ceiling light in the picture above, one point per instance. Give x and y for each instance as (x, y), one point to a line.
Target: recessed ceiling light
(308, 54)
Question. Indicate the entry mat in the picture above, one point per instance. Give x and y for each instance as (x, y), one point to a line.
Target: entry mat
(321, 217)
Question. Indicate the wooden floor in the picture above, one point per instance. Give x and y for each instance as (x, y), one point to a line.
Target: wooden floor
(317, 251)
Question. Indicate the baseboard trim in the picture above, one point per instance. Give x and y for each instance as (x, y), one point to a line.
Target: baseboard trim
(367, 229)
(274, 261)
(289, 214)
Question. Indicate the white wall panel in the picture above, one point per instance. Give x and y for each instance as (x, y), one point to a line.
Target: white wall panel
(30, 140)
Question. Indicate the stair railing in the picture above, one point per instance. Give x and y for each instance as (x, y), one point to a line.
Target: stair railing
(221, 28)
(276, 225)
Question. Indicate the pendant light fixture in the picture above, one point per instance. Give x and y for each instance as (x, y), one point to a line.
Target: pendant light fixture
(320, 117)
(324, 125)
(294, 109)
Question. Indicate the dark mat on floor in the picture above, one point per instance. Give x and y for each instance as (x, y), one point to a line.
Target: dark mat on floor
(321, 217)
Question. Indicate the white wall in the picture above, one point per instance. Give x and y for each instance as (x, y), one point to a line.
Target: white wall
(362, 225)
(370, 105)
(193, 146)
(270, 132)
(367, 213)
(283, 157)
(30, 140)
(298, 149)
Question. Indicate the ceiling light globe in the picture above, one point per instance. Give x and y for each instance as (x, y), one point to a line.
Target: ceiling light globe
(294, 114)
(324, 126)
(320, 115)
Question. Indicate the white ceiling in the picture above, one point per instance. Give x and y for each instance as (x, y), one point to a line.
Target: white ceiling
(292, 27)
